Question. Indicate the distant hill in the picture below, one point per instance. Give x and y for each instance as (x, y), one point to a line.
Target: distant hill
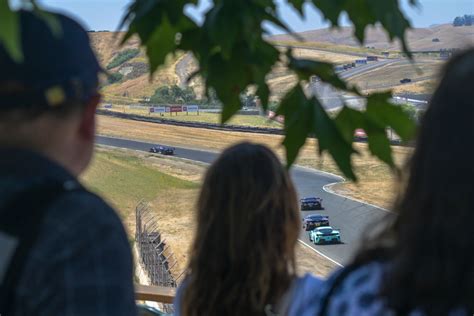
(420, 39)
(135, 83)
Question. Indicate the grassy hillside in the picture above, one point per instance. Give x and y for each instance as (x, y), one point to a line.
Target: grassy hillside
(137, 84)
(423, 71)
(130, 64)
(419, 39)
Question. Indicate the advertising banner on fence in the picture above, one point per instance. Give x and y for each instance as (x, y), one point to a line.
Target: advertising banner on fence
(157, 109)
(176, 108)
(191, 108)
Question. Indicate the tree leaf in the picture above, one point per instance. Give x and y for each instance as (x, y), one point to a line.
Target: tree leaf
(330, 9)
(263, 93)
(348, 120)
(304, 118)
(383, 113)
(10, 32)
(298, 5)
(161, 43)
(299, 122)
(379, 144)
(332, 140)
(305, 68)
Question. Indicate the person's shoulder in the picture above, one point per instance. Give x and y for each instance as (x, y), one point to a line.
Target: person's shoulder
(83, 208)
(179, 296)
(306, 291)
(80, 218)
(354, 290)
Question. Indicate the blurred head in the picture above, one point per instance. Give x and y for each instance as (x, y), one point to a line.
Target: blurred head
(432, 240)
(243, 256)
(48, 99)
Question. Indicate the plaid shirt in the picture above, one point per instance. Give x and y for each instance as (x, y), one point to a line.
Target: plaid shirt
(81, 263)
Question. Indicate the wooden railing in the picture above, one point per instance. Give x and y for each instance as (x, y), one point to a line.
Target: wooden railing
(155, 293)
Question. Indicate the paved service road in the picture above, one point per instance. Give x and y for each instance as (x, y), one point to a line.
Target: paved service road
(350, 216)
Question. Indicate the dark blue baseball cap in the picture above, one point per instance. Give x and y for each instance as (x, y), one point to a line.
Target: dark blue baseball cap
(57, 66)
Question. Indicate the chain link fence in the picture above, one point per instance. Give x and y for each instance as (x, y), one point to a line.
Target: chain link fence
(155, 255)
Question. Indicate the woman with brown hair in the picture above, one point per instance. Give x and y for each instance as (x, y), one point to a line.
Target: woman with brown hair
(243, 255)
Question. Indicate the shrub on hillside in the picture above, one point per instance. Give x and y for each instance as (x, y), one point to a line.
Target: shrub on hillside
(123, 57)
(114, 77)
(174, 94)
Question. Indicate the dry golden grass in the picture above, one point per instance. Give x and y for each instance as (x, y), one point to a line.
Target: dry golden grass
(143, 86)
(377, 184)
(308, 261)
(332, 57)
(420, 87)
(107, 44)
(389, 76)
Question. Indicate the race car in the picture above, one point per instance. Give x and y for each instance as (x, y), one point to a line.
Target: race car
(312, 221)
(164, 150)
(311, 203)
(325, 234)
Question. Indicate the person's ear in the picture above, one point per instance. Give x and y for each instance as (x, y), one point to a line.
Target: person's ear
(87, 125)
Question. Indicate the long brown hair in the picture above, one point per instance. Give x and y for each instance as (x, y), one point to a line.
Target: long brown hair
(243, 256)
(430, 244)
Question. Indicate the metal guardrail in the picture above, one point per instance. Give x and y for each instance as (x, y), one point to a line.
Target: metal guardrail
(232, 128)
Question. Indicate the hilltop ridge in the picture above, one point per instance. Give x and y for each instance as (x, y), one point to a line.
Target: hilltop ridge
(419, 39)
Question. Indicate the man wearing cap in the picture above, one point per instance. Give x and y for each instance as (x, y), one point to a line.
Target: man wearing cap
(63, 251)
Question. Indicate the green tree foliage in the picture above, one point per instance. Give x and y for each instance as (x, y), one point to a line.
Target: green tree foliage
(458, 21)
(123, 57)
(411, 110)
(233, 55)
(114, 77)
(466, 20)
(173, 94)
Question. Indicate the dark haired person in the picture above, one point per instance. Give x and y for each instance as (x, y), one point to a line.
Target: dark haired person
(63, 251)
(243, 256)
(422, 263)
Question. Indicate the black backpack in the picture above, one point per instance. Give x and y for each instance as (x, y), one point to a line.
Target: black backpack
(21, 219)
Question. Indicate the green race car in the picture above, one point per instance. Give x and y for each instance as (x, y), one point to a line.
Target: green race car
(324, 235)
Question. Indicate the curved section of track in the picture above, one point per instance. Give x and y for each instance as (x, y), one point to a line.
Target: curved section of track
(352, 217)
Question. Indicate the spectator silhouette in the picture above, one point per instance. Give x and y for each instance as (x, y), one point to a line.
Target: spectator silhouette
(63, 251)
(243, 256)
(422, 262)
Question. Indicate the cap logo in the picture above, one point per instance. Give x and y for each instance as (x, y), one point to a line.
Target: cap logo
(55, 96)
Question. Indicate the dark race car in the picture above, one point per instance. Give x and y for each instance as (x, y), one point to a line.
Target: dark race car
(311, 203)
(312, 221)
(164, 150)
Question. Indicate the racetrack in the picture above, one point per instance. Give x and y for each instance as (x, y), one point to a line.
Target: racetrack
(348, 215)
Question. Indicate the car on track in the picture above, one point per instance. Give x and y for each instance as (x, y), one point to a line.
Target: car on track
(325, 235)
(312, 221)
(311, 203)
(164, 150)
(405, 80)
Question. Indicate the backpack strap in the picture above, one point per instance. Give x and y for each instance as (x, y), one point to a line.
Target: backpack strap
(21, 220)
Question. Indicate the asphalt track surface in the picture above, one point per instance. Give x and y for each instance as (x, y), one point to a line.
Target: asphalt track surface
(350, 216)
